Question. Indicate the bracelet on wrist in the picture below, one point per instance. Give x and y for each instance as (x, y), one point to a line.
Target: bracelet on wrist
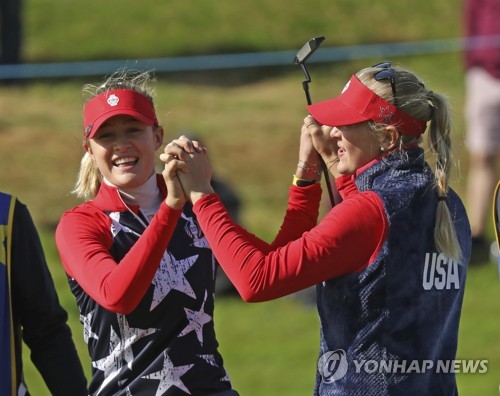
(310, 168)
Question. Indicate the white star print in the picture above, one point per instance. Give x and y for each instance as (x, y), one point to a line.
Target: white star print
(169, 376)
(111, 364)
(116, 227)
(194, 231)
(87, 328)
(196, 321)
(120, 349)
(171, 276)
(210, 359)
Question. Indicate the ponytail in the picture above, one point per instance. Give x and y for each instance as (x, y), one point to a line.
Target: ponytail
(419, 102)
(445, 235)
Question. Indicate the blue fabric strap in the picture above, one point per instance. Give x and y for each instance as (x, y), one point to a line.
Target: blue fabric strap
(7, 363)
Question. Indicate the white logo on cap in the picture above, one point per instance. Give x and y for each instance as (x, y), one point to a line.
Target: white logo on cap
(113, 100)
(346, 86)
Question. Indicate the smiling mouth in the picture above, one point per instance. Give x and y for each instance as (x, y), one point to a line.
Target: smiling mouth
(126, 161)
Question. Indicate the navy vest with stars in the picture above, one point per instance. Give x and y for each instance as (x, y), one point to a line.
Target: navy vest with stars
(405, 306)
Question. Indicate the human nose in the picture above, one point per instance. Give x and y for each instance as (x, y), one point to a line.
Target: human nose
(121, 141)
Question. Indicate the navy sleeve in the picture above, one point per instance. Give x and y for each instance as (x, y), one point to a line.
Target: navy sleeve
(38, 312)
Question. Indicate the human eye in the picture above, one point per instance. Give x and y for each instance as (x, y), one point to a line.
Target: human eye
(134, 130)
(104, 135)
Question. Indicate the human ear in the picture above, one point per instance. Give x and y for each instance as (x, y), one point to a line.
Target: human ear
(86, 147)
(391, 138)
(158, 136)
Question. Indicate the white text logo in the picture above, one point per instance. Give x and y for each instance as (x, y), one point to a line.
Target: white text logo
(333, 366)
(440, 272)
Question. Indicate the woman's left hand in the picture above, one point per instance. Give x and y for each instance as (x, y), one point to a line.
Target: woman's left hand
(324, 144)
(176, 197)
(193, 170)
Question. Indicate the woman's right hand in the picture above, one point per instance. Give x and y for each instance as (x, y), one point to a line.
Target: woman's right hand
(309, 166)
(324, 144)
(195, 177)
(174, 157)
(192, 169)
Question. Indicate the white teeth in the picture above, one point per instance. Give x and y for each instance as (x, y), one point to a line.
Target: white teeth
(124, 160)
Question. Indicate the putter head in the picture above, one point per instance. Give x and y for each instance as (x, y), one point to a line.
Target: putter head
(308, 49)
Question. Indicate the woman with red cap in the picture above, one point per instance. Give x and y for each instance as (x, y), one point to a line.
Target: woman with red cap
(389, 261)
(137, 262)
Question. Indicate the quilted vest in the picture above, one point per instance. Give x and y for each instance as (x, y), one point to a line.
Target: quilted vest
(404, 308)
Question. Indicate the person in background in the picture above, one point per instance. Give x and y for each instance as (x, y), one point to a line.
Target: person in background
(496, 218)
(389, 261)
(11, 23)
(482, 115)
(138, 264)
(30, 311)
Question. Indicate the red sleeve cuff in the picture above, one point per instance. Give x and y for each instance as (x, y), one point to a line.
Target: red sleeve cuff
(165, 214)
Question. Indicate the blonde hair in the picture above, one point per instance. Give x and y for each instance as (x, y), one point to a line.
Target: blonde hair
(89, 177)
(417, 101)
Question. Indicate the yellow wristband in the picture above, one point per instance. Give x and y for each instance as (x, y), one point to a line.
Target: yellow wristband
(301, 182)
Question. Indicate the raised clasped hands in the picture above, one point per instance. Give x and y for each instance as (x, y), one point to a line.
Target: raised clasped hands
(187, 171)
(324, 145)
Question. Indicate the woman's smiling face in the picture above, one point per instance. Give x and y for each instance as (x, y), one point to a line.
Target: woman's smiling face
(124, 150)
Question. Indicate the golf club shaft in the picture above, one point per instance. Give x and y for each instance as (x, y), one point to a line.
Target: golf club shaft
(304, 53)
(323, 165)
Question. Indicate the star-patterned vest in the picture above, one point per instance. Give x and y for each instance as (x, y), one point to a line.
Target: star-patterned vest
(167, 345)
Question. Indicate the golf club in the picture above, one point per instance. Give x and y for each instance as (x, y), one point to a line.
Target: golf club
(304, 53)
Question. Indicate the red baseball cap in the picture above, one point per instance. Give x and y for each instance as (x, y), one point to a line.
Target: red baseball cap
(358, 103)
(108, 104)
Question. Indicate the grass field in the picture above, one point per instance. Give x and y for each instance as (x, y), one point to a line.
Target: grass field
(250, 120)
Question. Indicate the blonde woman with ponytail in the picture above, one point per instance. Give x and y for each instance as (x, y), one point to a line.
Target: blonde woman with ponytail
(137, 262)
(389, 260)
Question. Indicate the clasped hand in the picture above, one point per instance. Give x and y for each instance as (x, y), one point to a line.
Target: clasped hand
(187, 172)
(319, 137)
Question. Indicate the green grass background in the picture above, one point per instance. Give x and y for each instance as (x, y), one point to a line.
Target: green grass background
(250, 119)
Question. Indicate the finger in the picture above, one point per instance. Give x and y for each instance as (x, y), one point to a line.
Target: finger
(308, 119)
(172, 167)
(166, 158)
(176, 146)
(198, 147)
(176, 149)
(186, 144)
(311, 125)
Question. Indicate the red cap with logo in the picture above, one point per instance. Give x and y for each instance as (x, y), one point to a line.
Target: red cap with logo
(358, 103)
(108, 104)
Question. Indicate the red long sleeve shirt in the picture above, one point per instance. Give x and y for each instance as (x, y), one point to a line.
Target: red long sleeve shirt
(145, 293)
(346, 240)
(83, 239)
